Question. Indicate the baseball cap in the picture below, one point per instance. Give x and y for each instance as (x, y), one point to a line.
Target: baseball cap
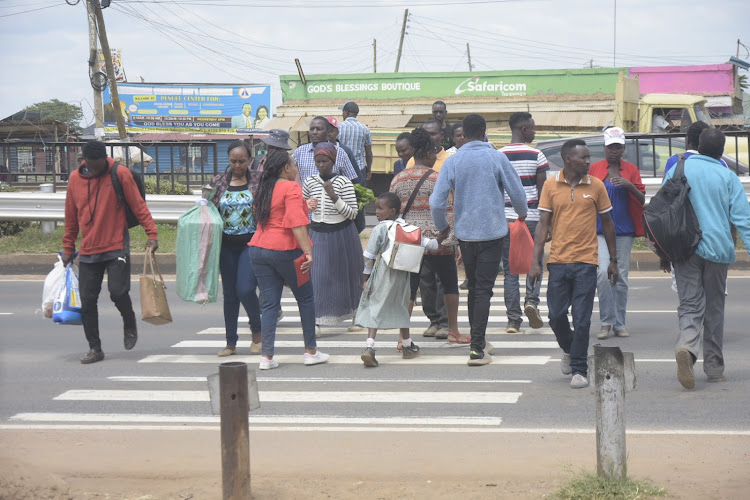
(350, 106)
(333, 121)
(614, 135)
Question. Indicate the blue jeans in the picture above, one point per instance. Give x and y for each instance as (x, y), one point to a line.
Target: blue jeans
(238, 283)
(572, 285)
(511, 289)
(613, 300)
(273, 268)
(482, 263)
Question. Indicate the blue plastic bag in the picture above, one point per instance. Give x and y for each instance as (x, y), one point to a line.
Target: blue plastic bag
(66, 309)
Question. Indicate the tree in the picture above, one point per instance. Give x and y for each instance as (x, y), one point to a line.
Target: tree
(70, 114)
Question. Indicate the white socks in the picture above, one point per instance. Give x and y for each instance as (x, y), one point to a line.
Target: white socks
(370, 343)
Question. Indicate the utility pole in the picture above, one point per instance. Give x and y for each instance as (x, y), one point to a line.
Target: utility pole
(468, 55)
(94, 58)
(110, 70)
(738, 48)
(374, 55)
(591, 63)
(401, 41)
(614, 46)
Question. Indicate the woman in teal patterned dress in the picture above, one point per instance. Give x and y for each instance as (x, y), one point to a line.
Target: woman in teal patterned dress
(234, 199)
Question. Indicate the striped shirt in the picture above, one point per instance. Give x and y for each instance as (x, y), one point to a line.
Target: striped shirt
(327, 211)
(305, 158)
(528, 162)
(355, 135)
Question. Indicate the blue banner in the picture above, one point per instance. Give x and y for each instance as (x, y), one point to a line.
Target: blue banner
(209, 108)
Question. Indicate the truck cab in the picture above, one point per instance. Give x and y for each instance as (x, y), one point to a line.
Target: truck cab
(679, 111)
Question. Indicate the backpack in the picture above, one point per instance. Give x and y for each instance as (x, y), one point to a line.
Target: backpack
(129, 215)
(671, 227)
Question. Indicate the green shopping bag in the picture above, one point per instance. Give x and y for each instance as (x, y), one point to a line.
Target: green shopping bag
(198, 249)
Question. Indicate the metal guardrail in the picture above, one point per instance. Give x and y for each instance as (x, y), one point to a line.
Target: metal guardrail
(51, 206)
(164, 208)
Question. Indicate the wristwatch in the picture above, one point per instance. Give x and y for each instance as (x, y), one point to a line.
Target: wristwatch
(613, 259)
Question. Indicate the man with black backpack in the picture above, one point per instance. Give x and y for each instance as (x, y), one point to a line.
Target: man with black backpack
(100, 192)
(719, 200)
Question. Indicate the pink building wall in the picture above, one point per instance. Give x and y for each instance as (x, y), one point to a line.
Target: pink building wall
(712, 79)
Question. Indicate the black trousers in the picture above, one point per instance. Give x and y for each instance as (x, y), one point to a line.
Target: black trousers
(90, 285)
(482, 263)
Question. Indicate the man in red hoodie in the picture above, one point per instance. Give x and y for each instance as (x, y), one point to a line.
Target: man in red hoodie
(91, 208)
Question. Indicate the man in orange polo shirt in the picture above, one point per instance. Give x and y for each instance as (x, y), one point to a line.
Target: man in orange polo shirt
(570, 201)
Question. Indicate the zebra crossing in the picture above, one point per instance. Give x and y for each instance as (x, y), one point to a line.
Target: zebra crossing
(435, 392)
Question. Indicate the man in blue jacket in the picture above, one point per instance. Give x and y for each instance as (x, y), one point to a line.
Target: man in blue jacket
(478, 175)
(719, 201)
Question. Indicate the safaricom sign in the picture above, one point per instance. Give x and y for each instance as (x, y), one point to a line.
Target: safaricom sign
(474, 84)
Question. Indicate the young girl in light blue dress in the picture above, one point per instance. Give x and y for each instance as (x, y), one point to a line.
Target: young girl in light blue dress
(386, 292)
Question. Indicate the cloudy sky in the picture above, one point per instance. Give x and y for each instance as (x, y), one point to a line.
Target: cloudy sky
(44, 43)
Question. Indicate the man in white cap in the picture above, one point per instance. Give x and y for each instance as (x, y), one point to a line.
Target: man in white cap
(627, 194)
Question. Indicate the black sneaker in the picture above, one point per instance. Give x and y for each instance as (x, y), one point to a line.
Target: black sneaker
(514, 326)
(130, 338)
(411, 351)
(368, 357)
(92, 357)
(478, 358)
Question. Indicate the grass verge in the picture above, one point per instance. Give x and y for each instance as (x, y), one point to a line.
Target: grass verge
(32, 240)
(588, 486)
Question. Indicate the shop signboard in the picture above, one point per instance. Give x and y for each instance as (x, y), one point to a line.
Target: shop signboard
(382, 86)
(208, 108)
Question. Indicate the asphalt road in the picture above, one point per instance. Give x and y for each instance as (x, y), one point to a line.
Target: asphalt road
(161, 383)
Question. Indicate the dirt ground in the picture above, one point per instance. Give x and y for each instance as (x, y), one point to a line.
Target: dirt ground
(179, 465)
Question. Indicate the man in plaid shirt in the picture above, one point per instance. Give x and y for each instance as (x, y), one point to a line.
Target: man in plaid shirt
(305, 154)
(356, 136)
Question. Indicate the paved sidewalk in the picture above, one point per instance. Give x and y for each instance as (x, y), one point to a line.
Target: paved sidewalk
(311, 465)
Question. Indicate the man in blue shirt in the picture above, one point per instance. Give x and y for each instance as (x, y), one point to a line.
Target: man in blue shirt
(691, 145)
(719, 201)
(478, 175)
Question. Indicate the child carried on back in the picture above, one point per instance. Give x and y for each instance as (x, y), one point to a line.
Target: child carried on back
(386, 291)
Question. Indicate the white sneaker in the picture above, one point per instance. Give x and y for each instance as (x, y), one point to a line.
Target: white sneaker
(565, 364)
(578, 381)
(316, 359)
(268, 364)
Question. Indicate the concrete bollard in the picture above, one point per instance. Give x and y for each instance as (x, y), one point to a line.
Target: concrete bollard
(609, 386)
(631, 381)
(235, 434)
(48, 227)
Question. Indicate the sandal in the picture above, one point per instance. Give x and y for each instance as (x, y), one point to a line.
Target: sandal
(456, 338)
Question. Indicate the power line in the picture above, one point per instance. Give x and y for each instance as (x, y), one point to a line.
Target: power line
(32, 10)
(336, 5)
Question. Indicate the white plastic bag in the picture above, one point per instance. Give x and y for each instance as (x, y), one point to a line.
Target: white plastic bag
(52, 284)
(66, 310)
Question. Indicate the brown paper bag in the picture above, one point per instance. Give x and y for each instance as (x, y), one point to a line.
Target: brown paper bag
(154, 307)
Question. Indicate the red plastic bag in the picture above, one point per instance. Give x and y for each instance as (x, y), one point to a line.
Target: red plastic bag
(521, 248)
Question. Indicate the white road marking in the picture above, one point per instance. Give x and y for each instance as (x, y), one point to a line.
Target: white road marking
(344, 359)
(318, 380)
(255, 420)
(298, 396)
(323, 344)
(341, 330)
(288, 318)
(6, 314)
(429, 430)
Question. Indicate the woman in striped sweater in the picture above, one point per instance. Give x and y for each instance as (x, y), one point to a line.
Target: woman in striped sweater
(337, 251)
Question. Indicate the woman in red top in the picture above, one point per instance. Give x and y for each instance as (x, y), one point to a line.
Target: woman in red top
(281, 238)
(627, 194)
